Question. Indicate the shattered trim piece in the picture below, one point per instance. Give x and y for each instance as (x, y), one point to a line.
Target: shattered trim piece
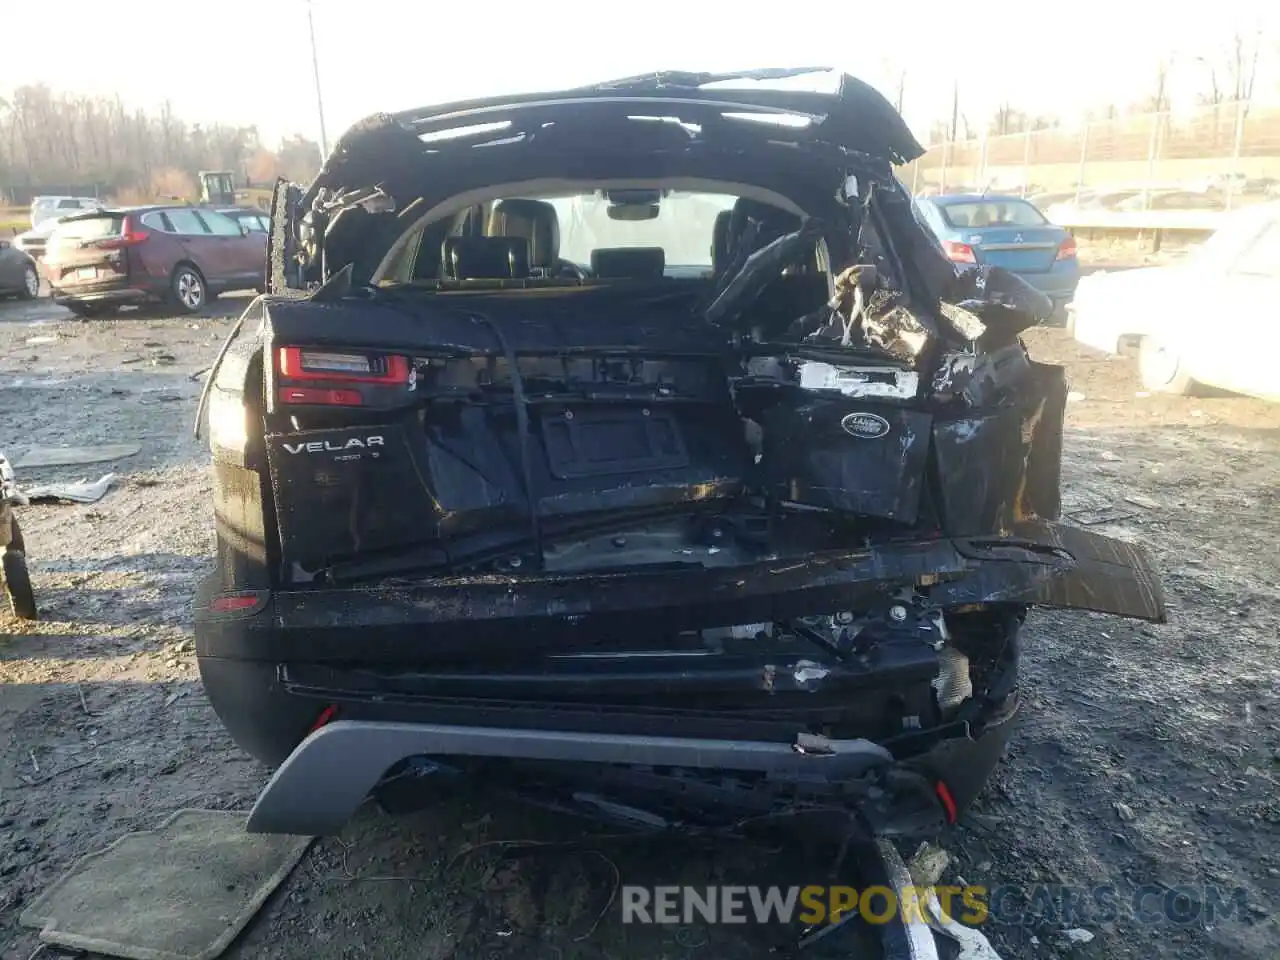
(304, 797)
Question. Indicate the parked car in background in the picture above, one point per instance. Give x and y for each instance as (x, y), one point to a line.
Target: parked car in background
(254, 221)
(1181, 346)
(33, 241)
(46, 208)
(18, 274)
(1009, 232)
(175, 253)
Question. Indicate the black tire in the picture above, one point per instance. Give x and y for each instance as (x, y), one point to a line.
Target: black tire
(30, 283)
(16, 542)
(91, 311)
(187, 289)
(17, 584)
(1162, 370)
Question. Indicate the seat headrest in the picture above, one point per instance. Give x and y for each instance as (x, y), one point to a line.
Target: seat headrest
(773, 221)
(720, 240)
(632, 263)
(536, 221)
(486, 258)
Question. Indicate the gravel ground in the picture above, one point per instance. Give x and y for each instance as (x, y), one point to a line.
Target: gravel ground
(1149, 756)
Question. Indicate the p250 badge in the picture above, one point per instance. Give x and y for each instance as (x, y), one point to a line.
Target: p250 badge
(868, 426)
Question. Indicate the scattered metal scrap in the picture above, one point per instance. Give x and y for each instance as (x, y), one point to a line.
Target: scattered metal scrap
(82, 491)
(74, 456)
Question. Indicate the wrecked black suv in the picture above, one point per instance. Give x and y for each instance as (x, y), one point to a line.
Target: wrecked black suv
(636, 448)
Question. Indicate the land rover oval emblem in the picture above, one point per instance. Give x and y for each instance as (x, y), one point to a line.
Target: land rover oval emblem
(869, 426)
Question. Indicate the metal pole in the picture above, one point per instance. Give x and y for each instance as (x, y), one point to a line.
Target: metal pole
(1084, 154)
(315, 68)
(1236, 149)
(1026, 164)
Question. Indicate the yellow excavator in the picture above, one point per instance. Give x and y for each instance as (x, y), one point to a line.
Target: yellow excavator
(218, 189)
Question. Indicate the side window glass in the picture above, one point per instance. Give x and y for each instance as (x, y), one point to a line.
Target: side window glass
(155, 221)
(186, 222)
(219, 225)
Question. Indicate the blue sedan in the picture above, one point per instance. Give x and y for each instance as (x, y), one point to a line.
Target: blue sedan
(1006, 232)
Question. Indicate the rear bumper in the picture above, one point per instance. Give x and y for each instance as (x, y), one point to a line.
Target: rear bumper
(305, 797)
(477, 669)
(119, 291)
(1038, 562)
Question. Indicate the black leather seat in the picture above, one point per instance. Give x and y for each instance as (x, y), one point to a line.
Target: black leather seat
(534, 220)
(773, 222)
(486, 258)
(720, 241)
(631, 263)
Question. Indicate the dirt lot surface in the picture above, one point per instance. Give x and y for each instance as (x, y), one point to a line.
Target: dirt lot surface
(1149, 755)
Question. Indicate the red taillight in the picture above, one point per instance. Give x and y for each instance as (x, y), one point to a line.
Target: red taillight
(299, 363)
(327, 714)
(1067, 249)
(332, 398)
(228, 604)
(958, 252)
(131, 234)
(948, 802)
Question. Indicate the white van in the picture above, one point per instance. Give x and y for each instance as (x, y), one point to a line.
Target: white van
(45, 208)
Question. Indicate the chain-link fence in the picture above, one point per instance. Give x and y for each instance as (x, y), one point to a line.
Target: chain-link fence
(1214, 158)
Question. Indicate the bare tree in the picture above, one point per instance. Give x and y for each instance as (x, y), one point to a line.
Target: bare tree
(51, 139)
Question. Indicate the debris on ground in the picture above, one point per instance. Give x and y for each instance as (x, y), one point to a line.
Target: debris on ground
(973, 943)
(82, 491)
(1138, 500)
(928, 864)
(1077, 935)
(75, 456)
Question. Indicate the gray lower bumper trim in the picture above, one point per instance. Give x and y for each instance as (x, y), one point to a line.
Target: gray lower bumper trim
(317, 789)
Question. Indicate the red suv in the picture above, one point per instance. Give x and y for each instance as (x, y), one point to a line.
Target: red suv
(178, 254)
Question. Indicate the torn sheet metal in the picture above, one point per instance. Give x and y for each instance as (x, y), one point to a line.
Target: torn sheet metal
(973, 944)
(85, 491)
(74, 456)
(8, 484)
(982, 379)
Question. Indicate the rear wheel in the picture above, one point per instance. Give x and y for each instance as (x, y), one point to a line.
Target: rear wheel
(1162, 369)
(187, 289)
(17, 584)
(30, 283)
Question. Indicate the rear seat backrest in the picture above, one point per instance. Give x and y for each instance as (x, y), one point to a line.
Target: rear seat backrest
(486, 258)
(632, 263)
(536, 221)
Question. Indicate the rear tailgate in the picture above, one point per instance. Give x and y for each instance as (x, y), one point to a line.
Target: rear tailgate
(1020, 249)
(87, 252)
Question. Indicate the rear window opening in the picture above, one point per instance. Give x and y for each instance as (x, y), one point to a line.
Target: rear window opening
(90, 228)
(680, 224)
(992, 213)
(603, 234)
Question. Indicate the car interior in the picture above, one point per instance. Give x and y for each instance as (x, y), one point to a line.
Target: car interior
(519, 239)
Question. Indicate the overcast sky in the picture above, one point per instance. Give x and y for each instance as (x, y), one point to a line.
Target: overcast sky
(249, 61)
